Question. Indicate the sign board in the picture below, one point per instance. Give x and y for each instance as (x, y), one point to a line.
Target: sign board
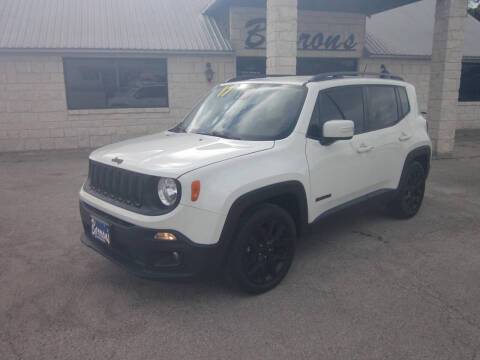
(320, 34)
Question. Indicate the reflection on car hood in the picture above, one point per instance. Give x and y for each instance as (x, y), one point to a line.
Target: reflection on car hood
(173, 154)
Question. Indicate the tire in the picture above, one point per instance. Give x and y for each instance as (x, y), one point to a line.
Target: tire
(409, 196)
(263, 249)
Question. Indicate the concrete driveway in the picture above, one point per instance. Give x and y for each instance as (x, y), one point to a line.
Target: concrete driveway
(363, 286)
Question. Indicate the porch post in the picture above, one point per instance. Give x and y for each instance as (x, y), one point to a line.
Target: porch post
(446, 65)
(282, 37)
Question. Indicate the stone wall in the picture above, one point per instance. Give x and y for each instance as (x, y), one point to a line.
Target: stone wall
(417, 72)
(34, 114)
(446, 67)
(468, 115)
(281, 39)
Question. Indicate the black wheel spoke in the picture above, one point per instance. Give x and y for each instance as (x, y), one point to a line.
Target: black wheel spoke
(267, 252)
(255, 269)
(267, 230)
(279, 257)
(279, 232)
(414, 190)
(253, 244)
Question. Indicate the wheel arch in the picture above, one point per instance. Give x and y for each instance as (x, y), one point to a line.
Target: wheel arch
(421, 154)
(290, 195)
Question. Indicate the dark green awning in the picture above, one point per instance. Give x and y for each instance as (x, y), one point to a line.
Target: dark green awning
(367, 7)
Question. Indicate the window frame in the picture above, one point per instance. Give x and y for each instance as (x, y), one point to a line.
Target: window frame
(399, 103)
(367, 128)
(317, 107)
(462, 91)
(116, 62)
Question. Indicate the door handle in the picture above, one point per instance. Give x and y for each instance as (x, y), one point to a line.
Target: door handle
(404, 137)
(364, 148)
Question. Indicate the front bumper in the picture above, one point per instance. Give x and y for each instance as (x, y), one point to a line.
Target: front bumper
(134, 248)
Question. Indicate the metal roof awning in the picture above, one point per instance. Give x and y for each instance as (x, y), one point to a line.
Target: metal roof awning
(367, 7)
(144, 26)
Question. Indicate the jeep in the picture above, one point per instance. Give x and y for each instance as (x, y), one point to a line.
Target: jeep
(231, 187)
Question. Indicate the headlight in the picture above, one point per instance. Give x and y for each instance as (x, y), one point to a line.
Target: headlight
(167, 191)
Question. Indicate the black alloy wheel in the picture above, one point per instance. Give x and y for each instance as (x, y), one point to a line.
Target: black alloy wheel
(264, 249)
(410, 194)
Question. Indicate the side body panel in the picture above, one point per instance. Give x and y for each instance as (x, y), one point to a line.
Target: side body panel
(223, 183)
(369, 163)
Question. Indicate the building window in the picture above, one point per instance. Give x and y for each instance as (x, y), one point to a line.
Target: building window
(256, 66)
(313, 66)
(251, 66)
(116, 83)
(470, 82)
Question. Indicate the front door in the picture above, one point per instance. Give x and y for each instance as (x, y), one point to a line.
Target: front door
(343, 170)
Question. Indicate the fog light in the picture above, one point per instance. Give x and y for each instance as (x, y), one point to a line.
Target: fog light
(164, 236)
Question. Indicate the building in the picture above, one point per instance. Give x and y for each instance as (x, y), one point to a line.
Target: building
(77, 74)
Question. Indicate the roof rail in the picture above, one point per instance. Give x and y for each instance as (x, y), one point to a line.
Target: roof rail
(251, 77)
(342, 75)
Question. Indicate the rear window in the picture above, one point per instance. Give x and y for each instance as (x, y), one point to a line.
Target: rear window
(404, 103)
(382, 107)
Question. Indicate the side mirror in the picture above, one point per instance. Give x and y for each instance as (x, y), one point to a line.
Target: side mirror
(338, 130)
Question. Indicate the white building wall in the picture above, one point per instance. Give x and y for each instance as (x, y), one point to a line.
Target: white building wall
(34, 114)
(417, 72)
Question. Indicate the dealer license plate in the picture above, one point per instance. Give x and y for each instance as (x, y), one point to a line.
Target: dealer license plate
(101, 231)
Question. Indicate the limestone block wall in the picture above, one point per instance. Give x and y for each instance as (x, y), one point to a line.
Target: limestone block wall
(34, 114)
(446, 65)
(282, 17)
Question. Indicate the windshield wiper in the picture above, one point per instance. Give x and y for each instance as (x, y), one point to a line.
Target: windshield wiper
(178, 129)
(218, 134)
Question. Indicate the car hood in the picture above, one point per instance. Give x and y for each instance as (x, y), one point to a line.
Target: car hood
(172, 154)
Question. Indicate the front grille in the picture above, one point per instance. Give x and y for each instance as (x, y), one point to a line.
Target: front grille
(127, 189)
(117, 184)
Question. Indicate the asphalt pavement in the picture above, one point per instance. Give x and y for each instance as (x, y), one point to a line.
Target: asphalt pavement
(363, 285)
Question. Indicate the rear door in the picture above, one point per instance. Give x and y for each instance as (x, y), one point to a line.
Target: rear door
(387, 132)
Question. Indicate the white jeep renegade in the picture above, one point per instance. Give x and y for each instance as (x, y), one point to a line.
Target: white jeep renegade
(234, 184)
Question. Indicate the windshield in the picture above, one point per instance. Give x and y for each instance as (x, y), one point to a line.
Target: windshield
(247, 112)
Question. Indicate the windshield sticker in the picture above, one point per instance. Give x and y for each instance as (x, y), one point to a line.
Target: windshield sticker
(225, 90)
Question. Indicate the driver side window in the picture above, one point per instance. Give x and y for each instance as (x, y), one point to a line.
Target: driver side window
(339, 103)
